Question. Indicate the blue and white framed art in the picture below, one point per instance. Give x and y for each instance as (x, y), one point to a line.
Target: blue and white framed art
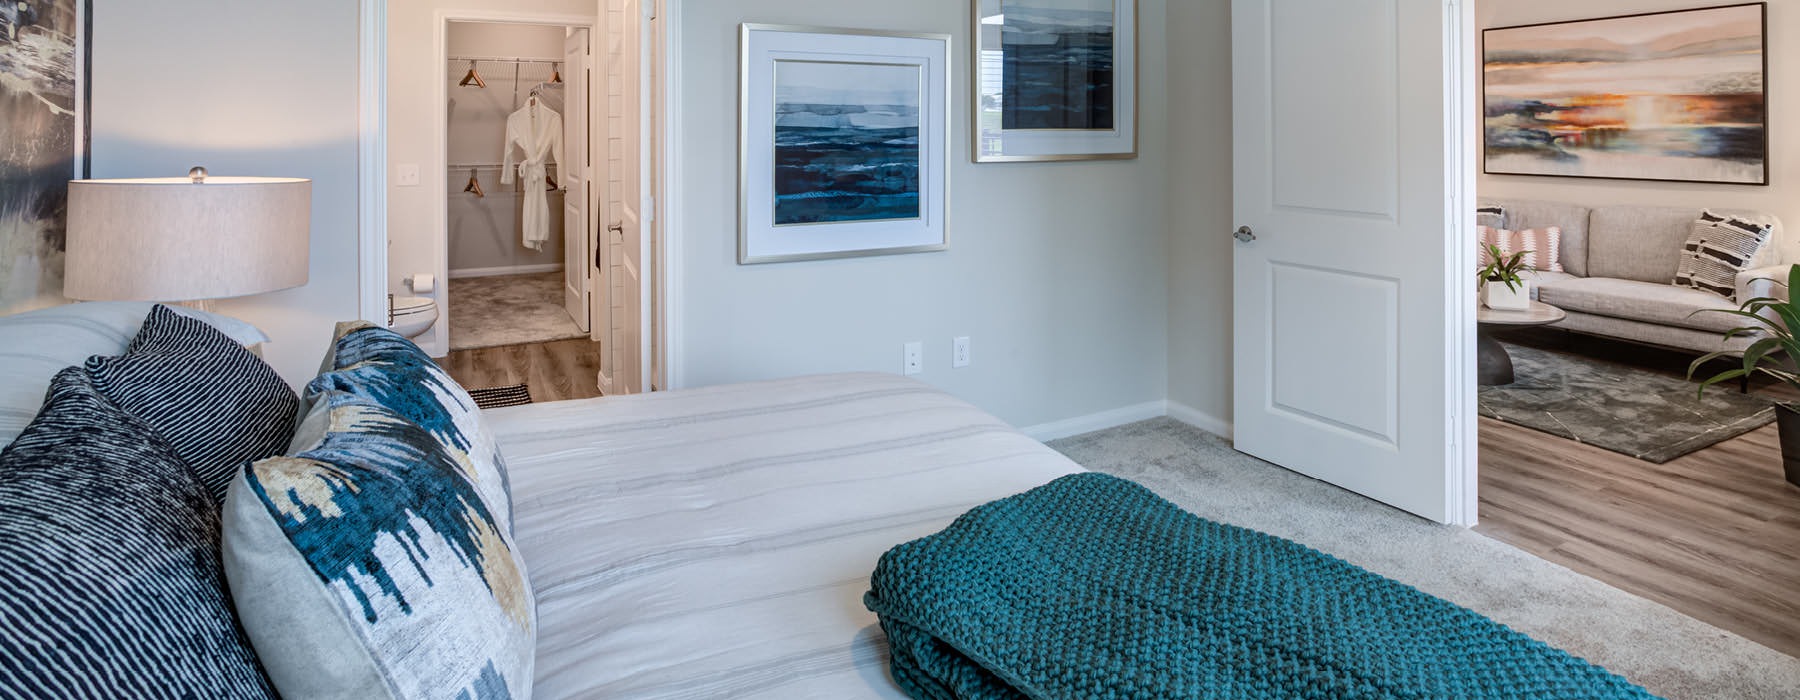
(1055, 80)
(844, 143)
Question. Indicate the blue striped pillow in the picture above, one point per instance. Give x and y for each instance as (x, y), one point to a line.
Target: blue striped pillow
(110, 580)
(219, 405)
(36, 345)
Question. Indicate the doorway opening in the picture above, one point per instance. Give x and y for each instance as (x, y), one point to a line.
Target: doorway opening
(516, 205)
(510, 161)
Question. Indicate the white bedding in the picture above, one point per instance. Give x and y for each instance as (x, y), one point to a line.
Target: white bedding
(717, 543)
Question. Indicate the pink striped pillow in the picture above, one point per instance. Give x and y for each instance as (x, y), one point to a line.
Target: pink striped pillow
(1486, 236)
(1542, 246)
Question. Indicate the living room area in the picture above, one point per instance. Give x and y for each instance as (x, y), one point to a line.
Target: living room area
(1633, 187)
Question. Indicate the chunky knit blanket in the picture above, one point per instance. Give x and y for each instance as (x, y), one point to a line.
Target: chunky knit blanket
(1093, 587)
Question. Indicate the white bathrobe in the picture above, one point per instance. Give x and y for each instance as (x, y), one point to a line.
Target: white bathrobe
(538, 131)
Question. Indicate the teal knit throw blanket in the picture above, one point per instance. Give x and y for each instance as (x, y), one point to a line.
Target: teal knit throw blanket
(1094, 587)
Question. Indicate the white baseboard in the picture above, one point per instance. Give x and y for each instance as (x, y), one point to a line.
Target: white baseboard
(504, 271)
(1200, 419)
(1083, 425)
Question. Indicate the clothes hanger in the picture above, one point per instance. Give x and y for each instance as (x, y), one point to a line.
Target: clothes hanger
(556, 74)
(475, 184)
(473, 77)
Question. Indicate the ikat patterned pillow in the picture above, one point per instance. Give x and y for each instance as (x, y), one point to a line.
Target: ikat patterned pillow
(387, 369)
(369, 565)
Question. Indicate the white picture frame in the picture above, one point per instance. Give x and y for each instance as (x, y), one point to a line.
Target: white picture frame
(1002, 132)
(844, 143)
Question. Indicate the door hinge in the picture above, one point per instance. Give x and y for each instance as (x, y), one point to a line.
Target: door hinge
(650, 10)
(649, 209)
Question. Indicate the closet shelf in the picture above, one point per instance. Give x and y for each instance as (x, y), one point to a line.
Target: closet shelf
(504, 59)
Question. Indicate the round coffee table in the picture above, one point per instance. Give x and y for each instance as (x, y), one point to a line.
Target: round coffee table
(1493, 365)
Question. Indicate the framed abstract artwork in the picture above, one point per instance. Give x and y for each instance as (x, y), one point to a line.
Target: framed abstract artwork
(1678, 96)
(844, 143)
(1055, 80)
(43, 116)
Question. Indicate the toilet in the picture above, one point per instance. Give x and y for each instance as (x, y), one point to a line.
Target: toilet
(412, 316)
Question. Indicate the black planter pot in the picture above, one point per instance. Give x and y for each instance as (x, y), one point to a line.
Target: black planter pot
(1787, 416)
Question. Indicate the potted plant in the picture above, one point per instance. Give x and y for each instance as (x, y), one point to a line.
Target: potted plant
(1502, 287)
(1776, 318)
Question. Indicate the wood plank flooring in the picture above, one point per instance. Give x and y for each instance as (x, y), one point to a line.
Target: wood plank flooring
(1715, 534)
(565, 370)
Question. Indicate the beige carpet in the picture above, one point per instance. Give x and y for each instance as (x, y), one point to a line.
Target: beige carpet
(1672, 655)
(487, 312)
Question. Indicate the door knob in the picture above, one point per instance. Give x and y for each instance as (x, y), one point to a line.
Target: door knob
(1244, 234)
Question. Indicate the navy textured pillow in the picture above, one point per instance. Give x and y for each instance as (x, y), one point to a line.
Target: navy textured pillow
(219, 405)
(110, 579)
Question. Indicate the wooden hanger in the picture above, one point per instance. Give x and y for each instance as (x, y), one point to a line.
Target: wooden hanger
(556, 74)
(475, 184)
(473, 78)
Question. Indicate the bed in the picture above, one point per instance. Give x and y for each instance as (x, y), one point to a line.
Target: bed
(718, 542)
(381, 536)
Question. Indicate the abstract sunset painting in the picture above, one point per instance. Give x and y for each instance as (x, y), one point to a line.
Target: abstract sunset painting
(1667, 96)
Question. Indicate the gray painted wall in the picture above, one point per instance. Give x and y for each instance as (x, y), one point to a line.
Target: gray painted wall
(1200, 185)
(1062, 273)
(244, 88)
(1057, 271)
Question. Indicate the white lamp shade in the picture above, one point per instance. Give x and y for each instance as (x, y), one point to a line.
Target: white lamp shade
(172, 239)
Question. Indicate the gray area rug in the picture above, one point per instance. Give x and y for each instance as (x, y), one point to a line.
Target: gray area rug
(1670, 654)
(488, 312)
(1648, 415)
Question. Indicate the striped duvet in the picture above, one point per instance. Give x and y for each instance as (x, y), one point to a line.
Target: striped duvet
(717, 542)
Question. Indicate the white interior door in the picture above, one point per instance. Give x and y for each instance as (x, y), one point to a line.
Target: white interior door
(576, 179)
(623, 368)
(1345, 172)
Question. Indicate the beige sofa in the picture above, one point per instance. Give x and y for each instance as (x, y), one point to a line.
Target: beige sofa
(1619, 263)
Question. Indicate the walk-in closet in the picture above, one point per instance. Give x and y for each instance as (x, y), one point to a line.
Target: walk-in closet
(510, 213)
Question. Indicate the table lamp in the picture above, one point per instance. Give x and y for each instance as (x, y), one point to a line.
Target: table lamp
(186, 240)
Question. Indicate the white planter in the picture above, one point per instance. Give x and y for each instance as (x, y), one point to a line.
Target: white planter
(1499, 297)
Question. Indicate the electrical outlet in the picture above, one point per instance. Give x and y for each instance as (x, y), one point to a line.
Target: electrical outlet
(915, 358)
(959, 352)
(406, 175)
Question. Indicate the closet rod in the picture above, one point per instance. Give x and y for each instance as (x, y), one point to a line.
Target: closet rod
(502, 59)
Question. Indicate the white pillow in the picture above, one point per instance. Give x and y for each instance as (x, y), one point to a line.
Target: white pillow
(35, 346)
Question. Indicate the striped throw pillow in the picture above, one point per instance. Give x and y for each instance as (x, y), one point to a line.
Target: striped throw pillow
(219, 405)
(1494, 236)
(110, 579)
(1491, 217)
(1542, 247)
(1719, 248)
(36, 345)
